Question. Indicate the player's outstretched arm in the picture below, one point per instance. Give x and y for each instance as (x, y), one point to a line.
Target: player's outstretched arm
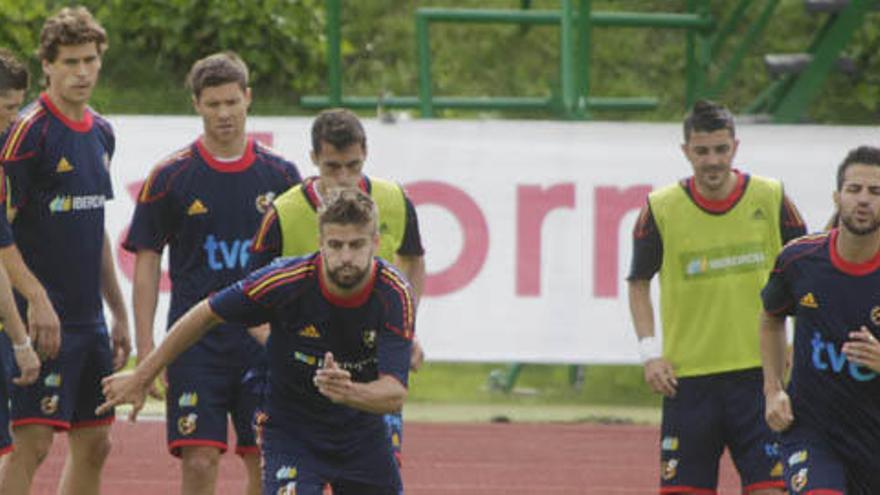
(131, 387)
(778, 411)
(382, 396)
(25, 356)
(44, 326)
(863, 349)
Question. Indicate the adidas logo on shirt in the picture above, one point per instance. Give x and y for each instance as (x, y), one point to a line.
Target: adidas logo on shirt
(197, 208)
(809, 301)
(309, 332)
(64, 166)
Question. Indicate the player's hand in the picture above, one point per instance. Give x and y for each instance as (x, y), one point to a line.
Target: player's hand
(260, 333)
(660, 376)
(863, 349)
(417, 356)
(121, 340)
(155, 390)
(123, 388)
(29, 364)
(332, 381)
(44, 326)
(778, 411)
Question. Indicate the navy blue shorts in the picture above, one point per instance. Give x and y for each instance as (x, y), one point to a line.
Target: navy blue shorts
(707, 414)
(813, 466)
(69, 387)
(198, 401)
(291, 466)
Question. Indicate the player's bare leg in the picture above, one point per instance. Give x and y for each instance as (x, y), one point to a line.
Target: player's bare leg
(254, 480)
(199, 466)
(768, 491)
(88, 449)
(32, 444)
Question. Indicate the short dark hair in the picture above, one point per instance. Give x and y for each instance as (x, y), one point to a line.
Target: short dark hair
(339, 127)
(865, 155)
(70, 26)
(13, 74)
(216, 70)
(708, 116)
(348, 206)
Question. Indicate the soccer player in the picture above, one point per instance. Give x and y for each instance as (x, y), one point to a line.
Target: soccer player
(339, 347)
(712, 237)
(57, 158)
(830, 413)
(339, 150)
(13, 84)
(205, 202)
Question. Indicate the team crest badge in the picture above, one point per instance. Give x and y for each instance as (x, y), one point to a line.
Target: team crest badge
(288, 489)
(799, 480)
(263, 201)
(49, 404)
(875, 316)
(186, 425)
(668, 469)
(370, 338)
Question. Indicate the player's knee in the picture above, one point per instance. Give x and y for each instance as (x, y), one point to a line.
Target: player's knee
(32, 445)
(96, 450)
(201, 462)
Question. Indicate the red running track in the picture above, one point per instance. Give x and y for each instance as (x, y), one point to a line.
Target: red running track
(459, 459)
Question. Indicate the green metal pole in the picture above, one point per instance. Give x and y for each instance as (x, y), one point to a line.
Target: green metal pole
(754, 32)
(425, 83)
(729, 25)
(809, 83)
(691, 82)
(584, 57)
(566, 59)
(334, 52)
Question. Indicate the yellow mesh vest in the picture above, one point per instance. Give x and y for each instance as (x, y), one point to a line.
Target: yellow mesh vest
(299, 222)
(714, 267)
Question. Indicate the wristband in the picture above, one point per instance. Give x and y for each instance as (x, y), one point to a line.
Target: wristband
(649, 348)
(24, 345)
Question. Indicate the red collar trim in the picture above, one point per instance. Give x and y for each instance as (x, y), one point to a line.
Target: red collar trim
(84, 125)
(239, 165)
(722, 205)
(848, 267)
(352, 301)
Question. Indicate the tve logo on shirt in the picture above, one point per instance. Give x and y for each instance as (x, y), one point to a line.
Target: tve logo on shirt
(226, 255)
(836, 360)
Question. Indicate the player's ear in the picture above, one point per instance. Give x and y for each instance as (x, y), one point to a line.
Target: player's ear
(835, 196)
(247, 97)
(314, 156)
(195, 102)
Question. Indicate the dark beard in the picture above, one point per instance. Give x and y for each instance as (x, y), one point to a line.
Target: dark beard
(347, 282)
(848, 223)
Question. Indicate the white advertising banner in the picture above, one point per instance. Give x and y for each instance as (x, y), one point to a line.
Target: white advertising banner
(526, 224)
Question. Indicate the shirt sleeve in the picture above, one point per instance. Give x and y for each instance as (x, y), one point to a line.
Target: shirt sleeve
(153, 223)
(266, 244)
(395, 337)
(647, 253)
(233, 305)
(250, 300)
(791, 224)
(412, 239)
(109, 142)
(20, 157)
(777, 296)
